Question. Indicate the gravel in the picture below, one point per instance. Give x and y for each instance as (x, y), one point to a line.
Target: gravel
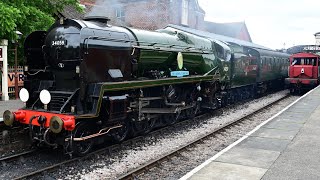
(130, 156)
(203, 151)
(106, 167)
(28, 164)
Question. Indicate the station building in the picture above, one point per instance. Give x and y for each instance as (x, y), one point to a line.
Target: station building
(156, 14)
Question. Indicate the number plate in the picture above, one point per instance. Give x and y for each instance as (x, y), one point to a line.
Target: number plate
(58, 43)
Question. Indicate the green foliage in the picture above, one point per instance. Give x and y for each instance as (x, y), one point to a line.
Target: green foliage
(29, 15)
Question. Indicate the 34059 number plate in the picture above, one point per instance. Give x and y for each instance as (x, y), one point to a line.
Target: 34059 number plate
(58, 43)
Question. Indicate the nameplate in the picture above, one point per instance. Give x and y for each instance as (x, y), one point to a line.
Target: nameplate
(179, 73)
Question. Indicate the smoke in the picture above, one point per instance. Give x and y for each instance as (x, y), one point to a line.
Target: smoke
(103, 8)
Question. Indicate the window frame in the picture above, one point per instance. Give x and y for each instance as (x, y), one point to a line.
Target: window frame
(185, 12)
(120, 14)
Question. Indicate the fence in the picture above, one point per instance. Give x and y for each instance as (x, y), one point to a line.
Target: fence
(11, 79)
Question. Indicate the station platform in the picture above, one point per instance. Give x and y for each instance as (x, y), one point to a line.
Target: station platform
(11, 105)
(286, 146)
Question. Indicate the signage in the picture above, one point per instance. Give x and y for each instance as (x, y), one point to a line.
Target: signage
(311, 48)
(11, 79)
(179, 73)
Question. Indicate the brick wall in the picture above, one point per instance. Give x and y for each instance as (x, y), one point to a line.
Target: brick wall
(150, 14)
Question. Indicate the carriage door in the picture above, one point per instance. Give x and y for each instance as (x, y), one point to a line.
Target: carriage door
(254, 63)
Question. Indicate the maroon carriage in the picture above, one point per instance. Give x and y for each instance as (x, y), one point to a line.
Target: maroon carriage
(303, 71)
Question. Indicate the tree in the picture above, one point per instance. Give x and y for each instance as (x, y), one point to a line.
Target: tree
(29, 15)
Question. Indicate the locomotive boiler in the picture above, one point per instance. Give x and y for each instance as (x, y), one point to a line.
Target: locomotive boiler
(87, 81)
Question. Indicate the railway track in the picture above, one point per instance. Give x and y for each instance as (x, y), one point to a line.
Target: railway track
(48, 169)
(133, 173)
(15, 157)
(12, 140)
(151, 164)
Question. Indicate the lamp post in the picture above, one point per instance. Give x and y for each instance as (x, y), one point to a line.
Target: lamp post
(16, 43)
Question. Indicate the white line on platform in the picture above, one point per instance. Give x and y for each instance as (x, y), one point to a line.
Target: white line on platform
(195, 170)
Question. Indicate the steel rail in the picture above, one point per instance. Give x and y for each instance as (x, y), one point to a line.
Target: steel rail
(14, 157)
(76, 159)
(107, 150)
(148, 165)
(153, 163)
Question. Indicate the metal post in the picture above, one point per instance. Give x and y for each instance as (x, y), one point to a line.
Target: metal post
(16, 88)
(4, 46)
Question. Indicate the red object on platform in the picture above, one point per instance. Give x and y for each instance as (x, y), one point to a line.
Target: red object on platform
(303, 69)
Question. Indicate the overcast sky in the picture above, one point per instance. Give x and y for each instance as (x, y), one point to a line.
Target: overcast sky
(271, 23)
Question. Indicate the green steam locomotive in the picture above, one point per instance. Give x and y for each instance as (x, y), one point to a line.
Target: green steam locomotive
(87, 81)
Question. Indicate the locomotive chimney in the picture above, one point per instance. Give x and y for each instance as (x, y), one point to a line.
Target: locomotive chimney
(101, 19)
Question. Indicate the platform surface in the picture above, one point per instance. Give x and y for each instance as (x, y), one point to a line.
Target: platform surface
(286, 146)
(11, 105)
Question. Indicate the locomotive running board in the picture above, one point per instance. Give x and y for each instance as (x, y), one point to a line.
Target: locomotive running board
(164, 110)
(99, 89)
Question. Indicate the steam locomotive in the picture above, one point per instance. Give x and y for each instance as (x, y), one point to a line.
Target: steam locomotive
(87, 81)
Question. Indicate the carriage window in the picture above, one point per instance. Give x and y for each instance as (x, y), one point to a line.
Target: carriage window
(303, 61)
(296, 61)
(252, 61)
